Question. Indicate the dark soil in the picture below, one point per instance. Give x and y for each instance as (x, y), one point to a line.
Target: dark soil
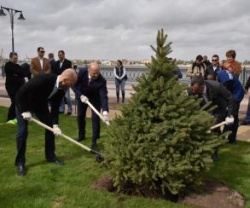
(212, 194)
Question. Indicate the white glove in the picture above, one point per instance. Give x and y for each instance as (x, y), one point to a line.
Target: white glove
(26, 79)
(229, 120)
(84, 99)
(105, 117)
(27, 116)
(56, 130)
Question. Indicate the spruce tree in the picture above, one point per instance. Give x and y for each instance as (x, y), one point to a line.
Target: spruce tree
(161, 141)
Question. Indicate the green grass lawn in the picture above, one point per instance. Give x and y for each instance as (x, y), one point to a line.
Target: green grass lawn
(49, 185)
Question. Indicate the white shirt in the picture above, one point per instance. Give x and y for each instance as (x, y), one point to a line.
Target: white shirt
(204, 95)
(61, 63)
(56, 87)
(41, 62)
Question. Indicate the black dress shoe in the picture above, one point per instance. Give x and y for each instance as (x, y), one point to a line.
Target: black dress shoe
(94, 146)
(21, 170)
(79, 139)
(56, 161)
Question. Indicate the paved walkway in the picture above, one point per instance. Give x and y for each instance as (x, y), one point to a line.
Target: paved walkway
(243, 131)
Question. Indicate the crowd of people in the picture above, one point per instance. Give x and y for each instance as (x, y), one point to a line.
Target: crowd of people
(218, 83)
(43, 89)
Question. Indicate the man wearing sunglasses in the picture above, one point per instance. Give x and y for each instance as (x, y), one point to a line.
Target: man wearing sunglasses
(211, 70)
(39, 64)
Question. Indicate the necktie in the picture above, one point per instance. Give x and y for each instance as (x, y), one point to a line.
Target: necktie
(90, 81)
(53, 92)
(205, 97)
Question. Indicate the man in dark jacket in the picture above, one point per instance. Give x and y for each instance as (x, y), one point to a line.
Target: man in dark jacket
(215, 92)
(218, 95)
(61, 65)
(33, 97)
(212, 69)
(52, 62)
(91, 85)
(14, 80)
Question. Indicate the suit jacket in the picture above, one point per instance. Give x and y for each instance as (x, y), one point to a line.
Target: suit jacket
(96, 91)
(34, 95)
(53, 66)
(35, 66)
(219, 96)
(14, 77)
(210, 71)
(66, 64)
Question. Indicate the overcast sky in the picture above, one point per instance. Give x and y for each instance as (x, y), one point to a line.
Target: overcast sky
(125, 29)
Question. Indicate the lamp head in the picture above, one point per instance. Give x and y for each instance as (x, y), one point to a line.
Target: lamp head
(2, 12)
(21, 17)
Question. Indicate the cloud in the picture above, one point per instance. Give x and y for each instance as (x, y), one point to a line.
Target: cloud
(112, 29)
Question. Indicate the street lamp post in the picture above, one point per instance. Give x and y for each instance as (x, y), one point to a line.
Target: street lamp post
(12, 13)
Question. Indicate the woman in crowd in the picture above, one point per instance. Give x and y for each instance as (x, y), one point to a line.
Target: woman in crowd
(120, 80)
(197, 69)
(231, 64)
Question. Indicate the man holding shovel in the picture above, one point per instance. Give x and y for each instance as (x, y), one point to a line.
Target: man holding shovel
(91, 87)
(33, 98)
(214, 92)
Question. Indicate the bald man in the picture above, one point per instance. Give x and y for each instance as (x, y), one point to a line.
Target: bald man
(91, 85)
(33, 98)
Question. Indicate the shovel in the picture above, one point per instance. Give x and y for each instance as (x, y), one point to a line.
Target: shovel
(99, 157)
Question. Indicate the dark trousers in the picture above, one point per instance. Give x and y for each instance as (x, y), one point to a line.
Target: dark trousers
(247, 118)
(12, 111)
(218, 119)
(81, 116)
(22, 134)
(234, 127)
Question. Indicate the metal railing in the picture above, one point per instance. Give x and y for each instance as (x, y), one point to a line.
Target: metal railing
(134, 72)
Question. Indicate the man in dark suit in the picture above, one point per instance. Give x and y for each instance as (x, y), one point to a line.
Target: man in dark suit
(91, 85)
(219, 96)
(52, 62)
(40, 64)
(31, 99)
(215, 92)
(61, 65)
(14, 80)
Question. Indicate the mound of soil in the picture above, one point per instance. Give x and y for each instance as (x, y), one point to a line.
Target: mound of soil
(213, 194)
